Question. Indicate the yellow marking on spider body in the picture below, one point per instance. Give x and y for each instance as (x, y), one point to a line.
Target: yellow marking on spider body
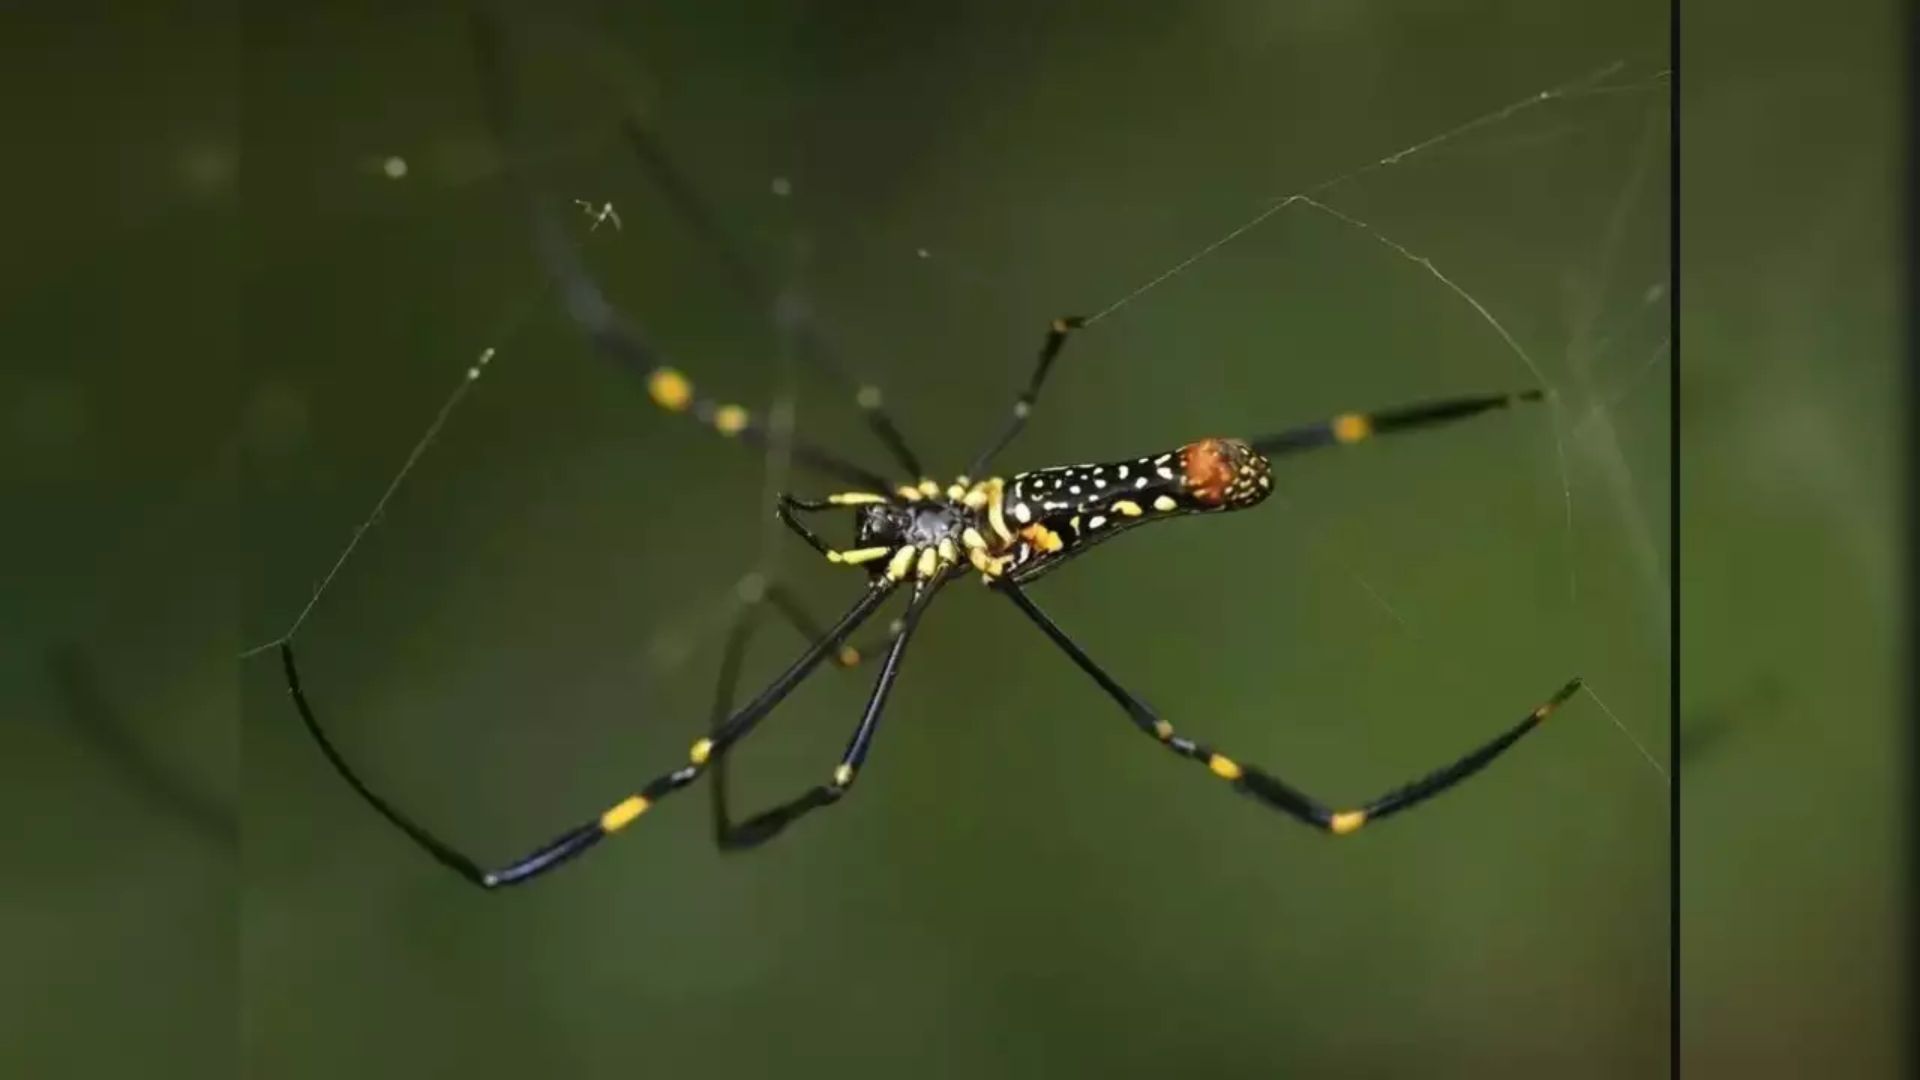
(855, 498)
(1127, 508)
(929, 488)
(730, 419)
(911, 494)
(956, 491)
(947, 553)
(700, 752)
(902, 562)
(929, 559)
(1346, 821)
(669, 389)
(974, 542)
(620, 816)
(843, 776)
(857, 555)
(990, 566)
(1224, 767)
(1165, 503)
(995, 497)
(975, 498)
(1162, 730)
(848, 656)
(1351, 427)
(1042, 538)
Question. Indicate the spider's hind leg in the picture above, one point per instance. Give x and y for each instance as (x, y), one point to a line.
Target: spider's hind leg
(1264, 786)
(730, 834)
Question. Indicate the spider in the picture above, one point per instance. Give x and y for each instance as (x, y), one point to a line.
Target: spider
(915, 535)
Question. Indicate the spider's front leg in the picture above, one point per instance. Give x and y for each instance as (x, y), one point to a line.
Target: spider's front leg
(1056, 338)
(788, 508)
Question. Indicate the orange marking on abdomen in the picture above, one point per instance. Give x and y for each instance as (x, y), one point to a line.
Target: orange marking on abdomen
(1041, 538)
(1208, 469)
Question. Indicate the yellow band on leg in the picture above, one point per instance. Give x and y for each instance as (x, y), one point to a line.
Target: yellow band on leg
(902, 562)
(857, 556)
(623, 814)
(1224, 767)
(1346, 821)
(669, 389)
(1352, 427)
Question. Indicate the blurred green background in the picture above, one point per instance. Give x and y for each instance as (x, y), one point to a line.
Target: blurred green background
(1020, 886)
(1796, 727)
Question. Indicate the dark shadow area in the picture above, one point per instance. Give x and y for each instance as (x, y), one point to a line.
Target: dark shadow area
(1707, 731)
(104, 728)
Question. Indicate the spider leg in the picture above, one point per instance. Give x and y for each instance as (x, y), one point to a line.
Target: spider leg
(589, 308)
(781, 599)
(1023, 405)
(729, 835)
(1353, 427)
(790, 608)
(578, 839)
(813, 349)
(1265, 786)
(787, 508)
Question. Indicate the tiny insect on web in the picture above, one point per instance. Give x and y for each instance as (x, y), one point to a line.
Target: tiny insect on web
(913, 534)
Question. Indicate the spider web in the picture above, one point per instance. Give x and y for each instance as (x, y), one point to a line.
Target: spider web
(1604, 356)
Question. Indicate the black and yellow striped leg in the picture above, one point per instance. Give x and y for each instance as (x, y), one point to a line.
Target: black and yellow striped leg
(588, 306)
(579, 838)
(589, 309)
(1348, 428)
(787, 509)
(729, 835)
(1263, 785)
(782, 600)
(811, 348)
(1023, 405)
(847, 655)
(738, 637)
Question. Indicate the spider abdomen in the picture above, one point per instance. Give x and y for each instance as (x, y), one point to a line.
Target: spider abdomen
(1058, 511)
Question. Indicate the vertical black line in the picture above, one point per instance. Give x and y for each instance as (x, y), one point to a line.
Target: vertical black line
(1673, 540)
